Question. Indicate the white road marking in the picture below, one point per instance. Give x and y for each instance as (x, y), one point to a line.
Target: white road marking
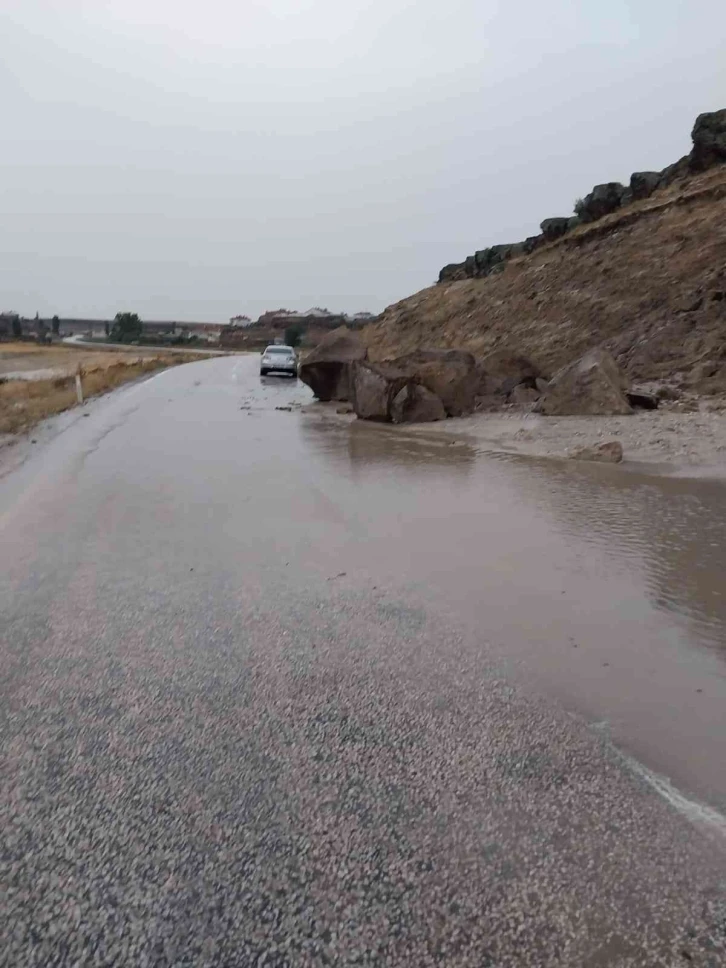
(696, 812)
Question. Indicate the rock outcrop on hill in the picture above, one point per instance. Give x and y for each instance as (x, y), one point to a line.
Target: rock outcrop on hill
(709, 149)
(646, 282)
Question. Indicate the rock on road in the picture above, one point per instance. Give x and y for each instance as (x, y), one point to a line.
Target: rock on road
(223, 746)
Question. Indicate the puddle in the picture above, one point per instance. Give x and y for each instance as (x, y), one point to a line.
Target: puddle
(605, 589)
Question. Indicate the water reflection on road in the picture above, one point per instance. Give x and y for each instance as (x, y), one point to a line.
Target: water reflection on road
(606, 588)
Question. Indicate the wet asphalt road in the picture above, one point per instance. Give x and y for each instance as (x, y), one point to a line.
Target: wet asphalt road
(224, 747)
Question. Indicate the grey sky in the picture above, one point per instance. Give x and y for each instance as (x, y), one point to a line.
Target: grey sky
(193, 159)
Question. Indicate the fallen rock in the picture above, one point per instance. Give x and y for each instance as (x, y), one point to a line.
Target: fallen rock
(524, 396)
(610, 452)
(373, 388)
(592, 385)
(327, 368)
(451, 374)
(503, 370)
(346, 408)
(489, 403)
(415, 404)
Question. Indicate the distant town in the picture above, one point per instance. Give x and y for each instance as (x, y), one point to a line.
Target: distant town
(240, 332)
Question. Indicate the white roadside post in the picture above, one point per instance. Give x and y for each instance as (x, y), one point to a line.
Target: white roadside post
(79, 386)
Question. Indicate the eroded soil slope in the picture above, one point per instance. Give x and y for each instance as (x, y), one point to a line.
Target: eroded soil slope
(648, 282)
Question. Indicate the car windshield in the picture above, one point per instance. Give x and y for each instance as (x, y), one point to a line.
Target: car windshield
(278, 350)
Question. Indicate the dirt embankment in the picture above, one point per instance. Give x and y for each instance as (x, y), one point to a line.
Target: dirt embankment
(647, 282)
(38, 382)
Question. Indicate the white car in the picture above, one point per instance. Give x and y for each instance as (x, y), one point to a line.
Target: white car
(279, 359)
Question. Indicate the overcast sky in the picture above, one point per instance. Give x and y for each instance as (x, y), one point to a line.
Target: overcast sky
(194, 159)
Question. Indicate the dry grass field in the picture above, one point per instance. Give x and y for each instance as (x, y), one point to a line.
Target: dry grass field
(46, 384)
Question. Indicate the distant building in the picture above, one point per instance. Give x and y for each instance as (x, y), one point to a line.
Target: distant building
(172, 329)
(316, 317)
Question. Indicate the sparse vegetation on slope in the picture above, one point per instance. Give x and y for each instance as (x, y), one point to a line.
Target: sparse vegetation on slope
(647, 282)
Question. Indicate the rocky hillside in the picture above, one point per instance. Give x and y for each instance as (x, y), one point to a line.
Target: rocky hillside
(642, 273)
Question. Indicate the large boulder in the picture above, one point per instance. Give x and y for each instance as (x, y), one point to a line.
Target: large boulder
(374, 387)
(451, 374)
(592, 385)
(327, 368)
(524, 396)
(709, 140)
(501, 371)
(415, 404)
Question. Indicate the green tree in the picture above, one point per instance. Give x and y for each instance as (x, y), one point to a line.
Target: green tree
(17, 327)
(293, 335)
(55, 325)
(126, 328)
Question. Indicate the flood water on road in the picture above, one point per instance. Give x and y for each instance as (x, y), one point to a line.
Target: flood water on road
(602, 587)
(605, 588)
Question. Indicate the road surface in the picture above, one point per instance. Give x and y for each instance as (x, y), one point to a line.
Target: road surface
(247, 721)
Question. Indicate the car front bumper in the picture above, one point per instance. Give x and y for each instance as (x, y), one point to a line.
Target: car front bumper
(271, 368)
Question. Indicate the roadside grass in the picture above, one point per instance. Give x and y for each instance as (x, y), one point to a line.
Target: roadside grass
(18, 347)
(23, 403)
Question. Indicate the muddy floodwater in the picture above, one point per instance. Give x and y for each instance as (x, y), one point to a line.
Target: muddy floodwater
(606, 589)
